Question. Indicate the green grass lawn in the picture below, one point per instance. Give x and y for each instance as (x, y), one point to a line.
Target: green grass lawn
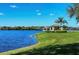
(58, 38)
(51, 43)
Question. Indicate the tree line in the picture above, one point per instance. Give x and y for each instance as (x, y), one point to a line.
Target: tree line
(21, 28)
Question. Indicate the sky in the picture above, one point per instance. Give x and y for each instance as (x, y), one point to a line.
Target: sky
(33, 14)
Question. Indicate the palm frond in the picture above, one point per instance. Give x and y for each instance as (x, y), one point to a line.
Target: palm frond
(71, 11)
(77, 18)
(60, 20)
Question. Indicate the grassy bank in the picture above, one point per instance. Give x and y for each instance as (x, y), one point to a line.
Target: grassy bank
(51, 43)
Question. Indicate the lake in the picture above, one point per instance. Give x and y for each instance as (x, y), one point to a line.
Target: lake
(13, 39)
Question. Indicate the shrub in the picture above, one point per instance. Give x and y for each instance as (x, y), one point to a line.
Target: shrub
(57, 31)
(49, 31)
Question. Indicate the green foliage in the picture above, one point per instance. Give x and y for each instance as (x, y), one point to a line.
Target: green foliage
(57, 31)
(50, 31)
(74, 11)
(61, 21)
(21, 28)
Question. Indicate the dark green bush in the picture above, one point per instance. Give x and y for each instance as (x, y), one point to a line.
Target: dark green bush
(50, 31)
(57, 31)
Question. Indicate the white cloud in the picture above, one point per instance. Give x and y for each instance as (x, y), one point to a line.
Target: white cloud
(13, 6)
(39, 13)
(37, 10)
(51, 14)
(1, 14)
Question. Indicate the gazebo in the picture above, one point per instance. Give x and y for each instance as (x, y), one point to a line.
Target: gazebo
(51, 28)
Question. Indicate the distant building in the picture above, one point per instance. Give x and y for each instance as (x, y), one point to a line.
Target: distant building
(51, 28)
(54, 27)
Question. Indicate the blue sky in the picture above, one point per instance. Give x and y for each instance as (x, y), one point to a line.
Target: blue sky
(33, 14)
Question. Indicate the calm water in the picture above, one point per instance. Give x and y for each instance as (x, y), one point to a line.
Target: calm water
(12, 39)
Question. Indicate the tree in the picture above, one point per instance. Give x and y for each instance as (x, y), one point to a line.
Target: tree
(61, 21)
(74, 11)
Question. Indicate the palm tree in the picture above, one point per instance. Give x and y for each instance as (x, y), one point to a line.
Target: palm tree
(61, 21)
(74, 11)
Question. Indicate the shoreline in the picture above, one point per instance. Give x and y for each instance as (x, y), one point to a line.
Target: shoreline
(45, 41)
(19, 50)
